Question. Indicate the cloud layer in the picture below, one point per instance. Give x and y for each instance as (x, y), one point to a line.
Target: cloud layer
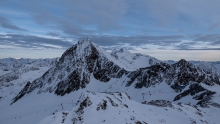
(143, 24)
(54, 41)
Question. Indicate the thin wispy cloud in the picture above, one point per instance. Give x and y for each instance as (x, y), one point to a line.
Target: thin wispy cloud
(5, 23)
(33, 42)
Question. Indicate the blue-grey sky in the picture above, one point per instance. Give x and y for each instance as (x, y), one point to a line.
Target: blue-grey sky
(165, 29)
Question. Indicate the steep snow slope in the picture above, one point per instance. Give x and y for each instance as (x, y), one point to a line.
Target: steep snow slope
(133, 61)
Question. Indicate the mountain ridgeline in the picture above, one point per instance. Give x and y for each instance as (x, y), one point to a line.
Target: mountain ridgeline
(84, 60)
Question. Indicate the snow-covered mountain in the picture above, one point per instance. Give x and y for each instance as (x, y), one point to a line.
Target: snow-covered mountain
(208, 66)
(87, 82)
(15, 73)
(133, 61)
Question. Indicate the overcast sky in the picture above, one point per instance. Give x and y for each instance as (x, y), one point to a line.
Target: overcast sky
(165, 29)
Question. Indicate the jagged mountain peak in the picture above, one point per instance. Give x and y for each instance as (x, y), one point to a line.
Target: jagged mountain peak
(84, 43)
(121, 50)
(74, 69)
(183, 65)
(82, 48)
(182, 62)
(116, 53)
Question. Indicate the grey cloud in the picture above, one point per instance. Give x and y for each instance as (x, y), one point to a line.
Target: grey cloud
(109, 42)
(85, 16)
(181, 30)
(165, 12)
(211, 41)
(102, 13)
(209, 38)
(29, 41)
(216, 25)
(185, 46)
(65, 25)
(74, 30)
(104, 41)
(53, 34)
(216, 42)
(135, 40)
(201, 49)
(194, 36)
(75, 18)
(5, 23)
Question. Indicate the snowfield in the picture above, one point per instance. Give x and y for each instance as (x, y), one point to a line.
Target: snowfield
(95, 108)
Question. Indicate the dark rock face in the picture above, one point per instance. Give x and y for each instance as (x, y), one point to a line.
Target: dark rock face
(159, 103)
(193, 89)
(205, 98)
(180, 73)
(22, 92)
(200, 93)
(70, 85)
(149, 76)
(6, 78)
(93, 62)
(215, 104)
(105, 70)
(204, 95)
(102, 105)
(85, 103)
(183, 72)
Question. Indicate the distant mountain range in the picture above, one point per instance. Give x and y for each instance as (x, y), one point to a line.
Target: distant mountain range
(121, 86)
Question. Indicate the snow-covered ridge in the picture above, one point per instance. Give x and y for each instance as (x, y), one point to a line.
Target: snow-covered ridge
(15, 73)
(133, 61)
(11, 69)
(11, 64)
(208, 66)
(11, 61)
(118, 108)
